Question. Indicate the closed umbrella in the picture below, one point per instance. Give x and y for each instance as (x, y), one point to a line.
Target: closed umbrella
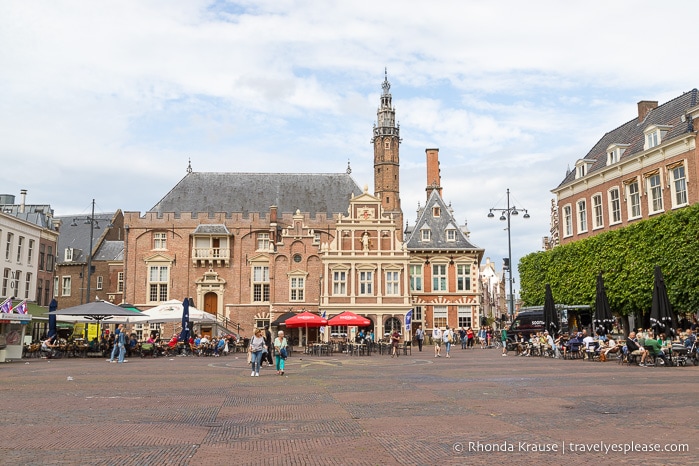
(184, 334)
(603, 319)
(662, 318)
(52, 318)
(551, 323)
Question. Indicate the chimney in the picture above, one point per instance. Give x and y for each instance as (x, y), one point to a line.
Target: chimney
(434, 180)
(22, 200)
(644, 108)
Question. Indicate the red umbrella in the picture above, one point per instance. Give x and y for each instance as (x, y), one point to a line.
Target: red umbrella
(349, 319)
(305, 319)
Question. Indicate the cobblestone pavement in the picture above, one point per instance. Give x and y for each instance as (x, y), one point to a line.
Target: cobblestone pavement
(341, 409)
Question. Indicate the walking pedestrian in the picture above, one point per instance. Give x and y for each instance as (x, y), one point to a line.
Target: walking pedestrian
(437, 340)
(503, 340)
(257, 346)
(419, 336)
(268, 343)
(122, 344)
(280, 345)
(448, 338)
(115, 346)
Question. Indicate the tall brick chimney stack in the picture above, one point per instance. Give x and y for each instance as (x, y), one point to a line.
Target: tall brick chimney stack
(644, 108)
(434, 179)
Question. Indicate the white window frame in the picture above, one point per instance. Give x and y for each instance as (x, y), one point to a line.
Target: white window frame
(451, 235)
(597, 211)
(425, 235)
(65, 285)
(259, 276)
(27, 284)
(297, 287)
(263, 241)
(160, 240)
(8, 248)
(416, 277)
(120, 282)
(339, 282)
(440, 317)
(20, 248)
(158, 283)
(567, 214)
(581, 208)
(463, 277)
(678, 186)
(654, 186)
(100, 282)
(392, 282)
(30, 252)
(440, 277)
(464, 316)
(68, 255)
(614, 206)
(633, 196)
(365, 282)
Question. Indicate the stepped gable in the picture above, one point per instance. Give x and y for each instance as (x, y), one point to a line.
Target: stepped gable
(256, 192)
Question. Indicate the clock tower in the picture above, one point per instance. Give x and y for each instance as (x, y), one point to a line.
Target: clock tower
(386, 141)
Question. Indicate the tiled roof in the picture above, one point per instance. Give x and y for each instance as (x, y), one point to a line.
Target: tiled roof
(438, 227)
(78, 236)
(631, 132)
(211, 229)
(256, 192)
(110, 251)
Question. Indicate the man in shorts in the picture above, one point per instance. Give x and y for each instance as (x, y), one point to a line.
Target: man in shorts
(437, 339)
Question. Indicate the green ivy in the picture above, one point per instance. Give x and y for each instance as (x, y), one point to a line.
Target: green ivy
(626, 257)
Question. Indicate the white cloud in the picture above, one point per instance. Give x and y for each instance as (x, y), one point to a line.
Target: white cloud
(109, 100)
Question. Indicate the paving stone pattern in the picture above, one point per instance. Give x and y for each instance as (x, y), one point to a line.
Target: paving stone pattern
(343, 410)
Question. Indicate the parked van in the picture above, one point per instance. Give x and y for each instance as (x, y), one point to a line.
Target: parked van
(531, 320)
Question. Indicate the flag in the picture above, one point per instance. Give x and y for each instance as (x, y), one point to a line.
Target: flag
(6, 306)
(21, 308)
(408, 320)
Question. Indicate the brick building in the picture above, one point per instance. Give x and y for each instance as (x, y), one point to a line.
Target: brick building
(444, 264)
(643, 168)
(73, 256)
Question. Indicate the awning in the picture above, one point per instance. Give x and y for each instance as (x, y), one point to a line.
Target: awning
(282, 318)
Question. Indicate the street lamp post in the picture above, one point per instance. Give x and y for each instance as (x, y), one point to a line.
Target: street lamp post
(505, 214)
(94, 225)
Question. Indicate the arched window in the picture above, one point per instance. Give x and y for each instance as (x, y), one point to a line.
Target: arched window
(392, 324)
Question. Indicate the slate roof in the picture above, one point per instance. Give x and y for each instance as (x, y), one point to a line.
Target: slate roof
(110, 251)
(78, 236)
(438, 227)
(212, 229)
(256, 192)
(631, 132)
(39, 215)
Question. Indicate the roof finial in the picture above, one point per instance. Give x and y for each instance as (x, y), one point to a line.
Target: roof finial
(189, 166)
(349, 169)
(386, 86)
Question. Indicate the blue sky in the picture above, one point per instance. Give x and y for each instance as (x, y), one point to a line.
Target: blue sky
(109, 100)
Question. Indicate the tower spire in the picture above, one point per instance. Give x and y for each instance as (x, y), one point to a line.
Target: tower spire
(386, 141)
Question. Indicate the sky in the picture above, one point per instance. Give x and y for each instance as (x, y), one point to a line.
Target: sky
(110, 100)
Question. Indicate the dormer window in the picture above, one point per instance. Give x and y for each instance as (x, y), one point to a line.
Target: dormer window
(654, 135)
(69, 255)
(582, 167)
(436, 212)
(451, 235)
(425, 234)
(614, 152)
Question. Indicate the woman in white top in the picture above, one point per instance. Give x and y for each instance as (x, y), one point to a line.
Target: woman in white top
(257, 347)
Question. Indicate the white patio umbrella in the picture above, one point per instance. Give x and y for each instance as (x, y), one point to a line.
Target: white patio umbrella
(171, 311)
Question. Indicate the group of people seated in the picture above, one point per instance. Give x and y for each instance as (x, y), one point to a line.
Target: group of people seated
(641, 346)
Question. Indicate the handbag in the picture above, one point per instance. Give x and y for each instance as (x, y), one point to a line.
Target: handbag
(283, 353)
